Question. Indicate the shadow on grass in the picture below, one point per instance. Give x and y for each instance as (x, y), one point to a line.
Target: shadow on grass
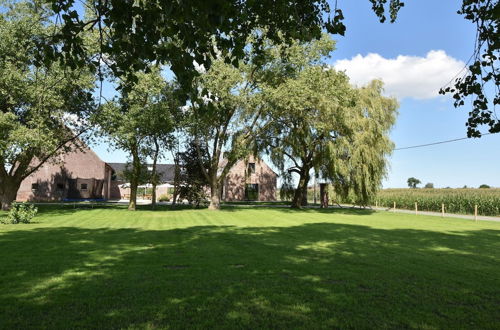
(70, 208)
(67, 209)
(309, 276)
(289, 210)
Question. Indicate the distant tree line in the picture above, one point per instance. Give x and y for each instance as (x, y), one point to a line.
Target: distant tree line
(414, 182)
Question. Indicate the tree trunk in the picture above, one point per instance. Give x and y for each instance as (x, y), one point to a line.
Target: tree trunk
(175, 193)
(323, 192)
(154, 180)
(300, 195)
(133, 197)
(214, 196)
(134, 180)
(153, 196)
(8, 193)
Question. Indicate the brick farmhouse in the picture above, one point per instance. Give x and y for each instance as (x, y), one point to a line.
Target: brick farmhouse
(81, 174)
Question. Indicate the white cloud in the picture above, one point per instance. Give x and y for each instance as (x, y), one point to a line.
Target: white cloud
(404, 76)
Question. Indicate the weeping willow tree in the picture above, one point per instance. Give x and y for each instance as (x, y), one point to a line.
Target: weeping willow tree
(359, 163)
(309, 122)
(322, 123)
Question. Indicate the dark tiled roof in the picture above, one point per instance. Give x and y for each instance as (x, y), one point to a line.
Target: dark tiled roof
(166, 171)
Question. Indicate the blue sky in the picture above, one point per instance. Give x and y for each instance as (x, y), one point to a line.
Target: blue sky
(425, 48)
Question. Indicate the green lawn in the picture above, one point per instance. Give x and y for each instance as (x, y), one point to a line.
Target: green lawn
(248, 268)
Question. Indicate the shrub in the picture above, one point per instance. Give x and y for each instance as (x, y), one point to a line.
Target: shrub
(484, 186)
(21, 212)
(164, 198)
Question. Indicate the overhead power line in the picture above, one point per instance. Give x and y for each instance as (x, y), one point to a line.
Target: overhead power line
(440, 142)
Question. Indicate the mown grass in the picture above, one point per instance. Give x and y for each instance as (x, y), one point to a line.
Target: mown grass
(248, 268)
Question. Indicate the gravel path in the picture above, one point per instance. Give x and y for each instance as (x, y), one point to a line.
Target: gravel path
(438, 214)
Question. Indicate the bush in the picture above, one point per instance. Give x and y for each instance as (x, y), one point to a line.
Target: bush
(484, 186)
(164, 198)
(21, 212)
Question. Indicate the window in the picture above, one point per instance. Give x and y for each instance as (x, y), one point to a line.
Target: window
(60, 186)
(252, 192)
(83, 186)
(251, 168)
(113, 176)
(34, 186)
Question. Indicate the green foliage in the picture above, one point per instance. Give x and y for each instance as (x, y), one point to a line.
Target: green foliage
(179, 33)
(192, 180)
(484, 186)
(413, 182)
(429, 185)
(21, 213)
(321, 122)
(164, 198)
(287, 189)
(460, 201)
(227, 115)
(140, 121)
(145, 111)
(359, 162)
(42, 108)
(483, 74)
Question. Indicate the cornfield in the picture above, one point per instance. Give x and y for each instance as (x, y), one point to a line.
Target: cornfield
(460, 201)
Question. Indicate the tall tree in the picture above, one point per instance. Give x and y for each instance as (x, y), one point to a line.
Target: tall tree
(42, 109)
(361, 164)
(229, 114)
(139, 121)
(309, 114)
(224, 124)
(160, 123)
(413, 182)
(321, 122)
(192, 179)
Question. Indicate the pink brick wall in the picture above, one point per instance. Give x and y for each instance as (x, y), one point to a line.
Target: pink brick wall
(238, 177)
(85, 166)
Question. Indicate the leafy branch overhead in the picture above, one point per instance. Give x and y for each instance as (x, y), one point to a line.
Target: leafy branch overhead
(483, 73)
(179, 33)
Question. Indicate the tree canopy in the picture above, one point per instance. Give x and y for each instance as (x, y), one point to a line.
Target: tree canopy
(182, 33)
(42, 108)
(138, 121)
(223, 124)
(319, 121)
(413, 182)
(482, 76)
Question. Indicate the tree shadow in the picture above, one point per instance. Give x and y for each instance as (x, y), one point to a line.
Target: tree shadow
(319, 275)
(289, 210)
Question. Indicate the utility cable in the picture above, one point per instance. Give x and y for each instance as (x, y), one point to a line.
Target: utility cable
(440, 142)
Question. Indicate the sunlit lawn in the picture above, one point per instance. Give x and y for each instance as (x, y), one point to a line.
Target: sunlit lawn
(251, 268)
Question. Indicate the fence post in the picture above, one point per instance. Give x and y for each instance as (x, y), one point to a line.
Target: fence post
(442, 210)
(475, 212)
(416, 208)
(394, 208)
